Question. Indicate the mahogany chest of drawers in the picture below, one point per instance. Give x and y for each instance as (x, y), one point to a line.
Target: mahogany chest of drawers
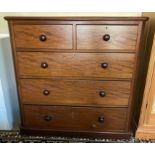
(76, 75)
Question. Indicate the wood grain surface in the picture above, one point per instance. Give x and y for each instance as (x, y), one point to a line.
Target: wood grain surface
(74, 118)
(75, 92)
(58, 36)
(121, 37)
(76, 64)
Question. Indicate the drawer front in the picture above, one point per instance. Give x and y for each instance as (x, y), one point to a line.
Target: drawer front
(106, 65)
(75, 118)
(107, 37)
(75, 92)
(43, 36)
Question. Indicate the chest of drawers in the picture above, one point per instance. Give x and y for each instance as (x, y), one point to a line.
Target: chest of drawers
(76, 75)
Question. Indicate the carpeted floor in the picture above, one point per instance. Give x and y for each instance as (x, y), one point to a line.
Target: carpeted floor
(15, 137)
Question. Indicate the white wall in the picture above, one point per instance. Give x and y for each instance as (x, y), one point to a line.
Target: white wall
(4, 124)
(9, 117)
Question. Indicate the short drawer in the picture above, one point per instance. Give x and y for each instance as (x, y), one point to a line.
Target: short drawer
(107, 37)
(43, 36)
(102, 65)
(75, 118)
(74, 92)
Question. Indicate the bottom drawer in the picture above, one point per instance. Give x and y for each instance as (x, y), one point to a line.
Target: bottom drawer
(74, 118)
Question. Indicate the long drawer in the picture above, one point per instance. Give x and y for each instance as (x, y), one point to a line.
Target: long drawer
(106, 65)
(74, 92)
(43, 36)
(107, 37)
(74, 118)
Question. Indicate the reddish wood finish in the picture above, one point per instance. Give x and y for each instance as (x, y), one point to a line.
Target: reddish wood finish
(74, 118)
(77, 18)
(120, 37)
(75, 58)
(57, 36)
(69, 133)
(75, 92)
(76, 64)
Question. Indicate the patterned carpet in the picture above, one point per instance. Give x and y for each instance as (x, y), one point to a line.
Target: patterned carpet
(15, 137)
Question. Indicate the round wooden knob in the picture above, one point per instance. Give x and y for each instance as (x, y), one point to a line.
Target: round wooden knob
(42, 37)
(104, 65)
(102, 93)
(106, 37)
(47, 118)
(46, 92)
(101, 119)
(44, 65)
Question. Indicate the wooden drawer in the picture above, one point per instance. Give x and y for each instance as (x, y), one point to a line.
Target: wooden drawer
(75, 92)
(75, 118)
(96, 37)
(43, 36)
(105, 65)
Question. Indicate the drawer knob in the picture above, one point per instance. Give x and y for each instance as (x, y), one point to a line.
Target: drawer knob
(42, 37)
(47, 118)
(46, 92)
(44, 65)
(101, 119)
(106, 37)
(102, 93)
(104, 65)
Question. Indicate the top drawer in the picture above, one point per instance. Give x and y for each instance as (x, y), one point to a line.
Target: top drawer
(43, 36)
(107, 37)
